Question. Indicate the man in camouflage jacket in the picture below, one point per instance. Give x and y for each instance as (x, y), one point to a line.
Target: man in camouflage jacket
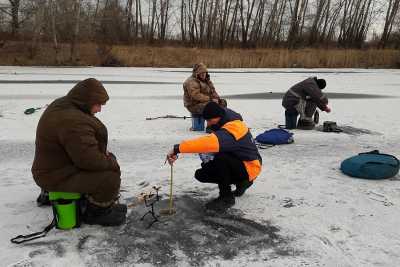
(199, 90)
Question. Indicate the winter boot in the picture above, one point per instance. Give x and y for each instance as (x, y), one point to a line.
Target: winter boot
(109, 216)
(43, 199)
(120, 207)
(242, 187)
(222, 203)
(305, 125)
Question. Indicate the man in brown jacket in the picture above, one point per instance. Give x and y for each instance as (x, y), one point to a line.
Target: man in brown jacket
(303, 98)
(199, 90)
(71, 153)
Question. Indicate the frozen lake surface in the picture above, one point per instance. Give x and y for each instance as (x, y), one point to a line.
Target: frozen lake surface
(301, 211)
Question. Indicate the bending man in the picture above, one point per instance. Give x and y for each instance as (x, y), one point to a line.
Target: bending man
(303, 98)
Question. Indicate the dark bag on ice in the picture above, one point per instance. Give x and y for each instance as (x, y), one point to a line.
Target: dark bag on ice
(371, 165)
(331, 126)
(276, 136)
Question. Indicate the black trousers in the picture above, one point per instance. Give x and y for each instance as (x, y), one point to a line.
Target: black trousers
(224, 170)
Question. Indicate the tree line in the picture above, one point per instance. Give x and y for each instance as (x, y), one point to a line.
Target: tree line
(205, 23)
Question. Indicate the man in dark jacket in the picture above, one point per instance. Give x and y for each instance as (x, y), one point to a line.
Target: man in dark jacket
(71, 153)
(303, 98)
(236, 159)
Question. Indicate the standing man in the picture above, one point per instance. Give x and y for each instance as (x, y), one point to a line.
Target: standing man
(303, 98)
(198, 91)
(235, 161)
(71, 153)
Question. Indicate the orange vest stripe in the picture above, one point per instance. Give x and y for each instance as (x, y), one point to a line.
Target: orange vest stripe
(253, 168)
(237, 128)
(204, 144)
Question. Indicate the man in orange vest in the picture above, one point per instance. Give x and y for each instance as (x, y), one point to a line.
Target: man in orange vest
(235, 160)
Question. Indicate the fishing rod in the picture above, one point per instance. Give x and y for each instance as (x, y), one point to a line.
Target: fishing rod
(168, 117)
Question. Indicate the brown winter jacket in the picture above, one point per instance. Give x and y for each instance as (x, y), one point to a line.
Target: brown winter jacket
(307, 90)
(198, 93)
(69, 139)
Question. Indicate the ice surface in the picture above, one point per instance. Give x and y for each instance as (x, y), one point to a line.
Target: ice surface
(316, 215)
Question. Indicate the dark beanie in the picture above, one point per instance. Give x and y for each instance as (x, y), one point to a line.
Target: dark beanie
(213, 110)
(321, 83)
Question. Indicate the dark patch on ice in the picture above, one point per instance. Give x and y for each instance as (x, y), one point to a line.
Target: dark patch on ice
(276, 95)
(250, 96)
(273, 71)
(395, 178)
(350, 130)
(76, 81)
(288, 202)
(82, 242)
(51, 246)
(22, 263)
(37, 252)
(193, 235)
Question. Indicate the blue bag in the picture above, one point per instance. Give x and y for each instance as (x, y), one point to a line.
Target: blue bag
(371, 165)
(276, 136)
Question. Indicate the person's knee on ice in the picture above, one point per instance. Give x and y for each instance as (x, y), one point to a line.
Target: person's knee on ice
(236, 156)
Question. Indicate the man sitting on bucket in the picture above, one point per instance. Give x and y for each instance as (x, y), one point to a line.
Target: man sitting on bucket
(303, 98)
(71, 153)
(198, 90)
(236, 159)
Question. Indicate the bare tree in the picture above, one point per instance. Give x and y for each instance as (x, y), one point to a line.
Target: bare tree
(183, 20)
(297, 12)
(13, 12)
(246, 12)
(15, 4)
(391, 13)
(129, 18)
(37, 27)
(164, 16)
(53, 11)
(75, 33)
(322, 7)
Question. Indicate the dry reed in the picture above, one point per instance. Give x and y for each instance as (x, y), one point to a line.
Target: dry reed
(146, 56)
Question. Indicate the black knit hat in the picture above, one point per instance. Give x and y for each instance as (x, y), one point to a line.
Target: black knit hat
(213, 110)
(321, 83)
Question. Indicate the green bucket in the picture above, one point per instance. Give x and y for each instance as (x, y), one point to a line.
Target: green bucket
(65, 209)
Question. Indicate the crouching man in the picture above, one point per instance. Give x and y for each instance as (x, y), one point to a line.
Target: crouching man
(235, 161)
(71, 153)
(303, 98)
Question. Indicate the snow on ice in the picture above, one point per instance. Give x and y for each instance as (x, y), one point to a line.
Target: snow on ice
(301, 211)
